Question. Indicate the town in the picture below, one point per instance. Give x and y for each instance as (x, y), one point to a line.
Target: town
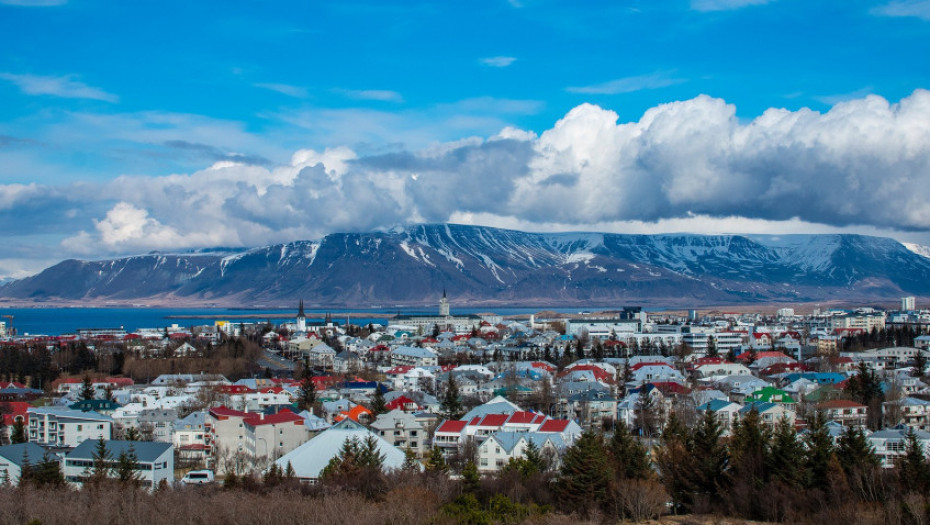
(473, 397)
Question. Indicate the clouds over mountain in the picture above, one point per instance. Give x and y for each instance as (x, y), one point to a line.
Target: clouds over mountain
(865, 162)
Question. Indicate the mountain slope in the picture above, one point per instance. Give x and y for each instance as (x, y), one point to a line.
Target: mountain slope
(481, 265)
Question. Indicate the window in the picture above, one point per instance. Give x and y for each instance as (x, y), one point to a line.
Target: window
(80, 427)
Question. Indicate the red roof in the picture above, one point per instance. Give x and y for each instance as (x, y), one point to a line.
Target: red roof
(399, 370)
(526, 418)
(839, 403)
(284, 416)
(13, 409)
(637, 366)
(400, 402)
(234, 389)
(222, 412)
(493, 420)
(452, 426)
(120, 381)
(554, 425)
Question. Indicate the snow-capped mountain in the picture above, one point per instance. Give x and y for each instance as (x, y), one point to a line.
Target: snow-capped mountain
(481, 265)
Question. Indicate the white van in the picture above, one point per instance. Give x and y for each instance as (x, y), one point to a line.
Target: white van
(198, 477)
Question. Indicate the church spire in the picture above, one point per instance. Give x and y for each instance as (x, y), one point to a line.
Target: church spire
(300, 309)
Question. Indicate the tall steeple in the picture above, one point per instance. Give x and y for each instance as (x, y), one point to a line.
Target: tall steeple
(444, 305)
(301, 318)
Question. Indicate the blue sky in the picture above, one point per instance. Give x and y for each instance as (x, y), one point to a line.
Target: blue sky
(127, 127)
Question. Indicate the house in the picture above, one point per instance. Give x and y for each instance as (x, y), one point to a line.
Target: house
(770, 413)
(845, 412)
(62, 427)
(12, 458)
(499, 448)
(911, 412)
(309, 459)
(771, 395)
(889, 444)
(726, 412)
(189, 437)
(271, 436)
(413, 356)
(402, 430)
(154, 461)
(225, 434)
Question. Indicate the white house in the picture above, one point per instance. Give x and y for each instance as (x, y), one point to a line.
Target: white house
(62, 427)
(889, 444)
(154, 461)
(12, 458)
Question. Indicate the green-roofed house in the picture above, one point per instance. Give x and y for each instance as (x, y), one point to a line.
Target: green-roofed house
(100, 406)
(770, 394)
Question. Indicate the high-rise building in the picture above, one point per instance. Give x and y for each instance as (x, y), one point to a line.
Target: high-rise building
(908, 303)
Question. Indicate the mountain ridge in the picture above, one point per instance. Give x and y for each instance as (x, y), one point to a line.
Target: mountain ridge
(483, 265)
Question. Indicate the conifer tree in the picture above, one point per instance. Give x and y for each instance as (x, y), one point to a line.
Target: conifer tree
(710, 455)
(307, 397)
(471, 479)
(436, 462)
(859, 463)
(913, 470)
(536, 462)
(26, 473)
(48, 472)
(786, 459)
(87, 390)
(410, 461)
(585, 474)
(127, 465)
(377, 402)
(451, 406)
(102, 458)
(820, 451)
(630, 459)
(18, 434)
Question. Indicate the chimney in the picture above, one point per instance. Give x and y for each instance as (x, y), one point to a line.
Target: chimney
(262, 416)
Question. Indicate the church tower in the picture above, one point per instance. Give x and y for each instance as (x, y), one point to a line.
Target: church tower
(444, 305)
(301, 318)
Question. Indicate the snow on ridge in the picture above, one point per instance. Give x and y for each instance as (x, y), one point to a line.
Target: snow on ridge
(919, 249)
(579, 257)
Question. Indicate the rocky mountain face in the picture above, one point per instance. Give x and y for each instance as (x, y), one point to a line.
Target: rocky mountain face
(480, 265)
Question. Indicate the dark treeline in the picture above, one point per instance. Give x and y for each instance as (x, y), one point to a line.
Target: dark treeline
(37, 365)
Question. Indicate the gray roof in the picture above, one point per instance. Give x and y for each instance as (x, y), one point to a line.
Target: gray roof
(15, 453)
(309, 459)
(67, 412)
(413, 351)
(146, 451)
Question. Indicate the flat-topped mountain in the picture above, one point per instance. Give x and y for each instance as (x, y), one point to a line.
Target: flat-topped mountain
(481, 265)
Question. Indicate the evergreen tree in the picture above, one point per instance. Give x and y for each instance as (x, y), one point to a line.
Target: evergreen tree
(48, 472)
(102, 458)
(749, 448)
(436, 462)
(786, 460)
(131, 434)
(26, 473)
(913, 470)
(630, 458)
(547, 355)
(711, 347)
(579, 349)
(710, 455)
(645, 420)
(127, 466)
(87, 390)
(585, 474)
(865, 385)
(471, 479)
(18, 434)
(820, 451)
(859, 463)
(377, 402)
(410, 461)
(535, 461)
(307, 397)
(451, 405)
(289, 472)
(920, 364)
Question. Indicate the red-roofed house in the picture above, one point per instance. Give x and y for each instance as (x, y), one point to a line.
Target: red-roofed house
(848, 413)
(449, 434)
(270, 436)
(402, 403)
(358, 413)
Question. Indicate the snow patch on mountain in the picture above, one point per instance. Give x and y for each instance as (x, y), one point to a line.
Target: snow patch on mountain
(923, 251)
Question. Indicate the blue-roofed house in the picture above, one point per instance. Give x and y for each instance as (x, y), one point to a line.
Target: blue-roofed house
(12, 458)
(889, 444)
(726, 412)
(500, 447)
(769, 413)
(154, 460)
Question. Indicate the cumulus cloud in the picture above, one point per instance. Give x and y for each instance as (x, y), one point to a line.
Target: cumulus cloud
(687, 165)
(62, 86)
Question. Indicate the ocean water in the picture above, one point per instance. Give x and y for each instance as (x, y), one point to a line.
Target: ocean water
(58, 321)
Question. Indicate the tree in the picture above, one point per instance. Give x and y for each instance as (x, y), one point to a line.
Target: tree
(48, 472)
(377, 402)
(307, 397)
(630, 459)
(451, 406)
(132, 434)
(18, 434)
(645, 414)
(920, 364)
(410, 461)
(127, 465)
(711, 346)
(859, 463)
(87, 392)
(100, 468)
(436, 462)
(471, 479)
(711, 456)
(786, 459)
(820, 451)
(913, 470)
(585, 474)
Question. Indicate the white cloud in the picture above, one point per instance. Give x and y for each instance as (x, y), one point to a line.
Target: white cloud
(499, 61)
(63, 86)
(690, 165)
(628, 84)
(285, 89)
(915, 8)
(724, 5)
(382, 95)
(34, 3)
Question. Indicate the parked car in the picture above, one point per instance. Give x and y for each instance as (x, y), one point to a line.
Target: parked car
(198, 477)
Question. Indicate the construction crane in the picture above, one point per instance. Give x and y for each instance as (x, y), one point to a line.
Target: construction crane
(10, 329)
